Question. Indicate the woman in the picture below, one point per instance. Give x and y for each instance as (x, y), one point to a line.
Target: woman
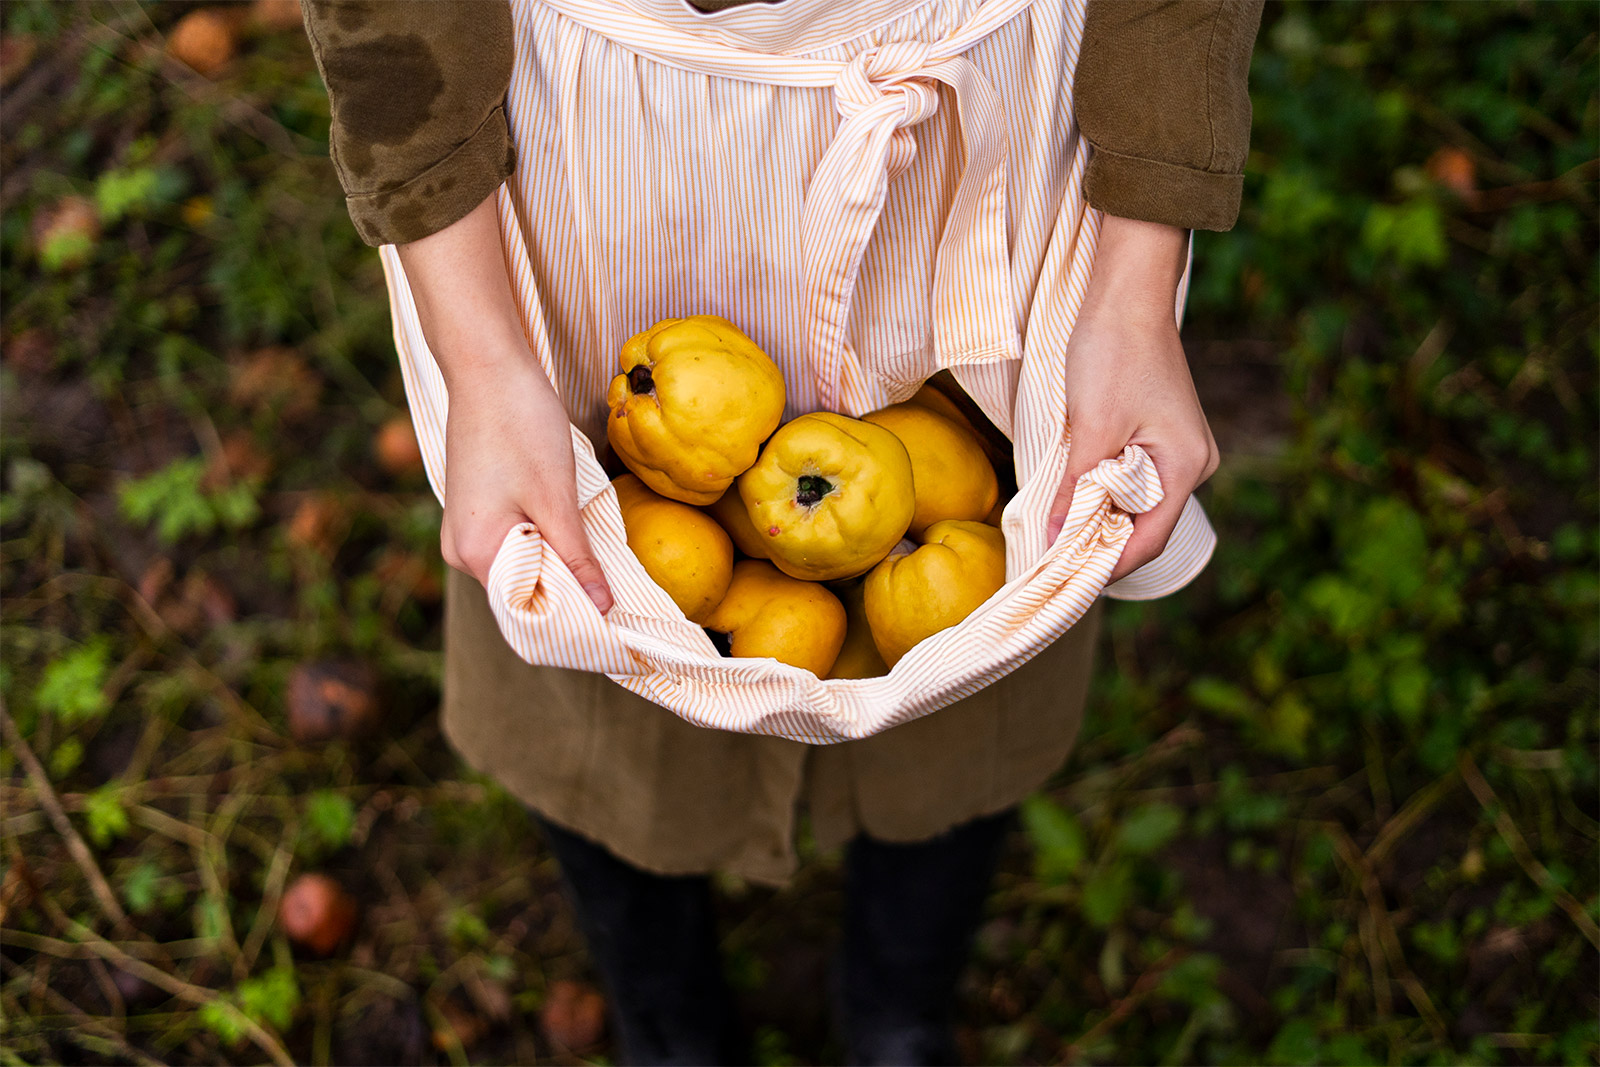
(433, 105)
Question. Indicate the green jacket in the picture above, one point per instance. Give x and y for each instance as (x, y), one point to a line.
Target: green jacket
(419, 135)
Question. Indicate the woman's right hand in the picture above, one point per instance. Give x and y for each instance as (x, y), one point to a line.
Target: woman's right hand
(508, 441)
(508, 459)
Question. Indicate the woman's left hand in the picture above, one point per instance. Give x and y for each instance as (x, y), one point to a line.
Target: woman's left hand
(1128, 382)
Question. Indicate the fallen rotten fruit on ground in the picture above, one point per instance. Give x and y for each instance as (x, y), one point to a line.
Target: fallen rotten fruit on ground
(831, 495)
(682, 548)
(768, 613)
(692, 405)
(316, 913)
(332, 698)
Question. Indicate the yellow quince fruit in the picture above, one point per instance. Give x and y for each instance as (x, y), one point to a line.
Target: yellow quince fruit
(912, 596)
(859, 657)
(692, 405)
(830, 496)
(936, 394)
(730, 513)
(952, 476)
(768, 613)
(682, 549)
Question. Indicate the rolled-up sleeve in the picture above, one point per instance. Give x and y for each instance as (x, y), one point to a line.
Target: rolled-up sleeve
(1162, 95)
(417, 90)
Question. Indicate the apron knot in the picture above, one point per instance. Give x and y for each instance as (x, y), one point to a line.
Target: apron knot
(890, 82)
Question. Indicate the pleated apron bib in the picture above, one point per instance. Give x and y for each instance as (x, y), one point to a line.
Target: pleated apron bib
(874, 191)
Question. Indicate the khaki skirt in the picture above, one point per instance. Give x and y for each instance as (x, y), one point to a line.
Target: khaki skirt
(675, 798)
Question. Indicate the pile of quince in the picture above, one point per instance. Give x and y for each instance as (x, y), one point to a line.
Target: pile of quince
(896, 512)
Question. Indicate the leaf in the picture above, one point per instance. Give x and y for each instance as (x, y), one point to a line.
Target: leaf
(139, 887)
(1106, 894)
(270, 998)
(223, 1019)
(210, 919)
(1193, 979)
(1410, 234)
(1409, 683)
(106, 817)
(121, 192)
(73, 686)
(175, 500)
(1387, 550)
(1146, 829)
(66, 757)
(1296, 1043)
(1348, 609)
(330, 818)
(1288, 721)
(1059, 842)
(1223, 698)
(171, 498)
(465, 927)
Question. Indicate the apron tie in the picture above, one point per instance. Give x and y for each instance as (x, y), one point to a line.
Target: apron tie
(889, 73)
(880, 95)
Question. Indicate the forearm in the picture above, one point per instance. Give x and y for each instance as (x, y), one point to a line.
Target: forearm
(463, 294)
(1137, 267)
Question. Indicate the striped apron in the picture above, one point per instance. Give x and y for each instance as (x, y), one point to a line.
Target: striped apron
(874, 191)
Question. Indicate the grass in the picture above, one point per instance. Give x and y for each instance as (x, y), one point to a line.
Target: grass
(1336, 803)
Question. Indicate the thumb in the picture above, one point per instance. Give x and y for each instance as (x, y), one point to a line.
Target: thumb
(1084, 452)
(563, 531)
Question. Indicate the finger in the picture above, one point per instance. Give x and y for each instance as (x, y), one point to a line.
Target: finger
(564, 532)
(1151, 531)
(476, 546)
(1086, 452)
(447, 547)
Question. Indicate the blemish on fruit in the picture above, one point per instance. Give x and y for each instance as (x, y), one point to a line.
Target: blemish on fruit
(772, 531)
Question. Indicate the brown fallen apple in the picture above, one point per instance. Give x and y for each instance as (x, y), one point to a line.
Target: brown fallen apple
(574, 1015)
(316, 913)
(332, 698)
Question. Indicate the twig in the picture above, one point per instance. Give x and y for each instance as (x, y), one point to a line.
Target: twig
(156, 628)
(1383, 932)
(93, 1025)
(188, 948)
(1146, 985)
(1519, 848)
(100, 947)
(206, 855)
(52, 805)
(1408, 818)
(1382, 992)
(271, 895)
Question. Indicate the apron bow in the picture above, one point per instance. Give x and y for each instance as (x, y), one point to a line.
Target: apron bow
(890, 77)
(880, 95)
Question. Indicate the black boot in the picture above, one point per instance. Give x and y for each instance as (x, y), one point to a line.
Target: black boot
(654, 941)
(910, 914)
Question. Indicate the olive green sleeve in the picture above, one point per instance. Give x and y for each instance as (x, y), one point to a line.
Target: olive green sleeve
(417, 93)
(1162, 95)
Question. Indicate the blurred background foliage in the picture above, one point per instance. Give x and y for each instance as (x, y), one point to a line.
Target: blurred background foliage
(1336, 803)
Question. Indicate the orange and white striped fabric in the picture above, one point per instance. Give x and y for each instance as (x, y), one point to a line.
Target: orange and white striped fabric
(873, 190)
